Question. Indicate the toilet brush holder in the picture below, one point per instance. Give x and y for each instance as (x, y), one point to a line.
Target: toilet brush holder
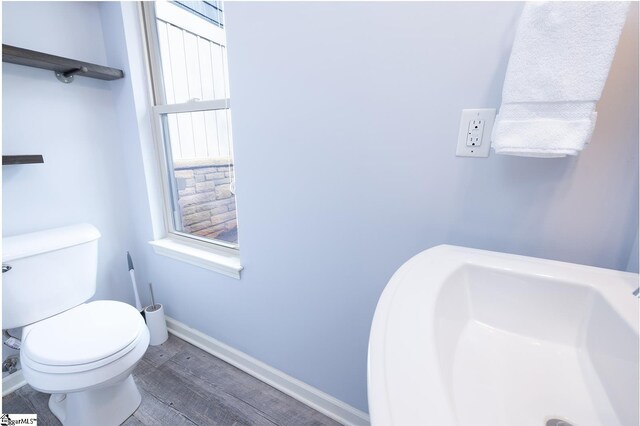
(157, 324)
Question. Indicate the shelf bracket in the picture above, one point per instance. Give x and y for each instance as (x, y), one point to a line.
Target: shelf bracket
(67, 76)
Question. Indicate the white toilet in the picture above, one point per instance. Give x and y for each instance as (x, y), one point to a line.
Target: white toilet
(81, 353)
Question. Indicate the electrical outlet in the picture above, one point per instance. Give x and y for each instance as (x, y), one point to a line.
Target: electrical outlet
(474, 133)
(474, 136)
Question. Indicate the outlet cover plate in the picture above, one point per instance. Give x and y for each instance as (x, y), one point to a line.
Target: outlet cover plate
(468, 123)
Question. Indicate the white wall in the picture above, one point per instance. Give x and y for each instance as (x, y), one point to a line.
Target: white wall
(373, 93)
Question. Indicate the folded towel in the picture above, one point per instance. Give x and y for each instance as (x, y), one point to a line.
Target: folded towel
(559, 63)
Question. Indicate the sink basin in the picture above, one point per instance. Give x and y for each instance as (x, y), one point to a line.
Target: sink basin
(471, 337)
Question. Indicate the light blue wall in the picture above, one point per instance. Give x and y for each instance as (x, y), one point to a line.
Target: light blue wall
(345, 117)
(632, 265)
(74, 126)
(345, 120)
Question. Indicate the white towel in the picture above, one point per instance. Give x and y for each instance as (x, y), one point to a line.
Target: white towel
(559, 63)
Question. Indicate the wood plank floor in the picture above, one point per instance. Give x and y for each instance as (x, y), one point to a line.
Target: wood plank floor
(183, 385)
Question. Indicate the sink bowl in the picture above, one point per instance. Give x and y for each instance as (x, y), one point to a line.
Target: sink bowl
(472, 337)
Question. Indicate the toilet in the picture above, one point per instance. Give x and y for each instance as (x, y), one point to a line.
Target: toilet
(81, 353)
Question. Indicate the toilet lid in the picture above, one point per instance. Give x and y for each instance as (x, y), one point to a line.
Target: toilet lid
(84, 334)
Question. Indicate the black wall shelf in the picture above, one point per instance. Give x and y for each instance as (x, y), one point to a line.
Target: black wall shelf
(64, 68)
(8, 160)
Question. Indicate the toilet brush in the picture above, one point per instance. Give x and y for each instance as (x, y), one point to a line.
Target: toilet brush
(153, 299)
(156, 322)
(135, 286)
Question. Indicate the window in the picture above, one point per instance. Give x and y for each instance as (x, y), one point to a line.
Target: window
(187, 49)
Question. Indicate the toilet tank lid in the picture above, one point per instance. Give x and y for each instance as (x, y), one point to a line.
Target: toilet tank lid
(33, 243)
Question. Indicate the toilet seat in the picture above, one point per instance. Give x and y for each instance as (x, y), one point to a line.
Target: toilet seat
(83, 338)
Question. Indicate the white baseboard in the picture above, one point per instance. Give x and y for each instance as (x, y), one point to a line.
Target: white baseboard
(12, 382)
(308, 395)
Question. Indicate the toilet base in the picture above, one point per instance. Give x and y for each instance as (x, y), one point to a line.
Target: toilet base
(105, 406)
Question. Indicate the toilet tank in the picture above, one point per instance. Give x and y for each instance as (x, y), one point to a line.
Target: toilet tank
(51, 271)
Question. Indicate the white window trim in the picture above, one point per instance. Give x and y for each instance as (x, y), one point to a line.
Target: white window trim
(213, 258)
(207, 255)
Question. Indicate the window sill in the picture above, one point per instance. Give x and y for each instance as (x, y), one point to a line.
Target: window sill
(222, 262)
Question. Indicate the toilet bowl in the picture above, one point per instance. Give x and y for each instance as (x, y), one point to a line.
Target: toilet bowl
(84, 358)
(82, 353)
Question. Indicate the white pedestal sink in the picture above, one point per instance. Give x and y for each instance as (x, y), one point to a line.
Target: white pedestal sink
(471, 337)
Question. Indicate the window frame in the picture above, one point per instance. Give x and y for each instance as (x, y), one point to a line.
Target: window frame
(217, 255)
